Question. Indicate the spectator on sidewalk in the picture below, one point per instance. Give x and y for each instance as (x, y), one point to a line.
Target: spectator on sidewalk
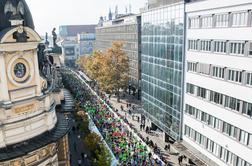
(143, 126)
(167, 147)
(180, 159)
(138, 119)
(147, 130)
(79, 162)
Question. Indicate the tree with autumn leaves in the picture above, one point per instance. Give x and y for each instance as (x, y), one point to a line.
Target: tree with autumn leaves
(109, 68)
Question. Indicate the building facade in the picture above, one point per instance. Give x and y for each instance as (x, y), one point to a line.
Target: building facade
(86, 42)
(162, 66)
(71, 52)
(127, 30)
(218, 103)
(30, 128)
(76, 40)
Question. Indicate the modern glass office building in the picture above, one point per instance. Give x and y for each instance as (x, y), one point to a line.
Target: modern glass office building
(162, 66)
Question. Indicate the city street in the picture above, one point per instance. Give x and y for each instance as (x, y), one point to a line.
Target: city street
(173, 159)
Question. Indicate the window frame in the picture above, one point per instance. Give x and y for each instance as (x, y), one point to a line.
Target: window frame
(222, 23)
(220, 46)
(234, 75)
(239, 49)
(207, 19)
(193, 21)
(239, 18)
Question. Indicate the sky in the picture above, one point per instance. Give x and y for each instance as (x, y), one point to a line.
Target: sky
(53, 13)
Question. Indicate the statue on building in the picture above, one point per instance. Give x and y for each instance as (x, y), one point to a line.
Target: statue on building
(15, 8)
(20, 35)
(46, 40)
(56, 49)
(54, 38)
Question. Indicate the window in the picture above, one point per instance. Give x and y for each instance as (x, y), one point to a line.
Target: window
(222, 20)
(247, 109)
(220, 46)
(249, 78)
(217, 124)
(198, 114)
(216, 149)
(204, 117)
(243, 137)
(187, 131)
(201, 92)
(235, 76)
(190, 88)
(211, 121)
(205, 45)
(218, 72)
(191, 66)
(198, 137)
(240, 19)
(204, 69)
(190, 110)
(233, 132)
(250, 141)
(226, 128)
(193, 45)
(237, 48)
(232, 103)
(250, 49)
(223, 154)
(216, 97)
(194, 22)
(210, 145)
(207, 21)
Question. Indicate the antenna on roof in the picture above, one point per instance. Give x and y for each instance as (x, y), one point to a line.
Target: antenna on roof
(130, 8)
(116, 11)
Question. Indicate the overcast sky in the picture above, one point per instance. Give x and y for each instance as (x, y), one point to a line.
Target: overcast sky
(52, 13)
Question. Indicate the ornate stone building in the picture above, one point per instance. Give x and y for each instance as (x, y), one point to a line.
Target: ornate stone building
(31, 132)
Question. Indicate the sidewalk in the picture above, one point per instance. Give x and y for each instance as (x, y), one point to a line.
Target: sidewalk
(173, 159)
(76, 146)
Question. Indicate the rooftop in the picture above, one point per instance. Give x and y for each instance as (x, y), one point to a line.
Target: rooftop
(73, 30)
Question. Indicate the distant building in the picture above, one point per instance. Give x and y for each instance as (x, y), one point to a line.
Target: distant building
(71, 31)
(71, 52)
(125, 28)
(86, 42)
(76, 40)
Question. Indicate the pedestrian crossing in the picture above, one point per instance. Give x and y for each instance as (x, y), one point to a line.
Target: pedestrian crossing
(68, 105)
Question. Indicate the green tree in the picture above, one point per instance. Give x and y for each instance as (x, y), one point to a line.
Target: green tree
(103, 157)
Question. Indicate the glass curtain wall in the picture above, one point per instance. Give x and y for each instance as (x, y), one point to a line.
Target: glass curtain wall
(162, 66)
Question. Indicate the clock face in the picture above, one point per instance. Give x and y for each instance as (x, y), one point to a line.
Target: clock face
(19, 70)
